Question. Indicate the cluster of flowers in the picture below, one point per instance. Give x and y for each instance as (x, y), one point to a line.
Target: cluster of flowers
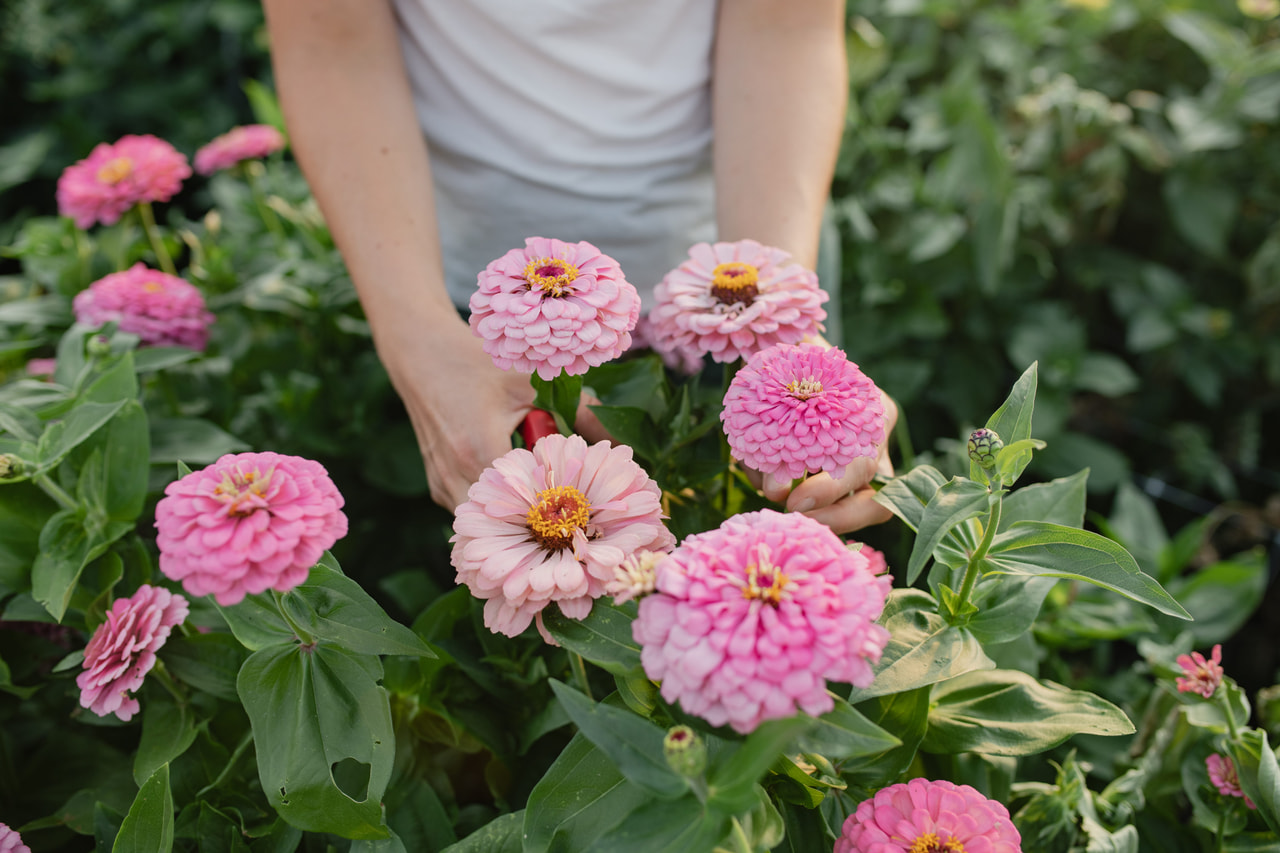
(1203, 677)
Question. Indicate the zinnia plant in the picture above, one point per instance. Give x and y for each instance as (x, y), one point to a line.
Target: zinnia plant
(246, 142)
(923, 816)
(115, 177)
(161, 309)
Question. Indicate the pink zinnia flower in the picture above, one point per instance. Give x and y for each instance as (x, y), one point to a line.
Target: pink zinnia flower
(123, 649)
(11, 841)
(876, 562)
(798, 409)
(686, 360)
(42, 368)
(1223, 775)
(923, 816)
(246, 142)
(735, 299)
(554, 306)
(750, 620)
(161, 309)
(248, 523)
(1202, 676)
(552, 525)
(113, 178)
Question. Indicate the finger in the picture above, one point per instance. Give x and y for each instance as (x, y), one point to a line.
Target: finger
(822, 490)
(775, 488)
(587, 425)
(852, 512)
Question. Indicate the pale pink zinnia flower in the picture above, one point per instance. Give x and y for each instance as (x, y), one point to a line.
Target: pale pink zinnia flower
(554, 306)
(246, 142)
(686, 360)
(876, 562)
(751, 620)
(42, 368)
(1202, 676)
(735, 299)
(248, 523)
(797, 409)
(551, 525)
(123, 649)
(11, 841)
(1223, 775)
(113, 178)
(161, 309)
(923, 816)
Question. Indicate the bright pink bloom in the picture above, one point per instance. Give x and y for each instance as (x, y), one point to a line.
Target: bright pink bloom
(42, 368)
(161, 309)
(749, 621)
(248, 523)
(113, 178)
(11, 841)
(1223, 775)
(554, 306)
(923, 816)
(735, 299)
(1202, 676)
(686, 360)
(876, 563)
(246, 142)
(797, 409)
(552, 525)
(123, 649)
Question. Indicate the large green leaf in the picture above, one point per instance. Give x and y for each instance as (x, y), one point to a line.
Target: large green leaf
(1007, 606)
(24, 511)
(682, 826)
(503, 834)
(907, 716)
(603, 637)
(257, 623)
(124, 446)
(731, 782)
(66, 547)
(167, 730)
(61, 437)
(1060, 501)
(1223, 596)
(907, 495)
(192, 440)
(1012, 421)
(208, 662)
(843, 733)
(148, 827)
(1259, 774)
(957, 501)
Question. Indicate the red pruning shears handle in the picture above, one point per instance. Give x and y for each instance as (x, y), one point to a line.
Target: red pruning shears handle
(536, 424)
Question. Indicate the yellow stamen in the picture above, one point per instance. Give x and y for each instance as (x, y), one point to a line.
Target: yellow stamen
(735, 282)
(757, 578)
(559, 511)
(803, 389)
(242, 491)
(550, 275)
(115, 171)
(930, 843)
(153, 287)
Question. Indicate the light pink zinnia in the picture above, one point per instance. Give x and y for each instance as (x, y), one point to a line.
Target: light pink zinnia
(1223, 775)
(42, 368)
(248, 523)
(554, 306)
(113, 178)
(1202, 676)
(246, 142)
(734, 299)
(123, 649)
(686, 360)
(797, 409)
(552, 525)
(876, 562)
(750, 620)
(923, 816)
(11, 841)
(161, 309)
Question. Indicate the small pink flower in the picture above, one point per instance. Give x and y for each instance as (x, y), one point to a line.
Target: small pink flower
(248, 523)
(923, 816)
(113, 178)
(123, 649)
(11, 841)
(1202, 676)
(751, 620)
(1223, 775)
(734, 299)
(41, 368)
(797, 409)
(554, 306)
(686, 360)
(161, 309)
(246, 142)
(876, 563)
(552, 525)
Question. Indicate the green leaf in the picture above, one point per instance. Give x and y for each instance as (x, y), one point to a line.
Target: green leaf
(907, 495)
(416, 815)
(391, 844)
(152, 359)
(191, 440)
(167, 730)
(124, 445)
(731, 783)
(503, 834)
(1060, 501)
(682, 826)
(1014, 458)
(1223, 596)
(1259, 774)
(603, 637)
(148, 827)
(907, 716)
(257, 623)
(560, 396)
(24, 512)
(957, 501)
(844, 733)
(61, 437)
(630, 426)
(1007, 607)
(20, 422)
(208, 662)
(66, 547)
(1012, 421)
(265, 105)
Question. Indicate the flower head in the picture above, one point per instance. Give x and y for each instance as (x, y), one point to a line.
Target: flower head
(796, 409)
(876, 562)
(750, 620)
(735, 299)
(247, 142)
(1202, 676)
(113, 178)
(1262, 10)
(686, 360)
(554, 306)
(11, 841)
(123, 649)
(1223, 775)
(983, 446)
(552, 525)
(635, 576)
(161, 309)
(248, 523)
(42, 368)
(923, 816)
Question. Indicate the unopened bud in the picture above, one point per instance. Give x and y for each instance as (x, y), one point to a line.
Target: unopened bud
(10, 466)
(686, 752)
(99, 346)
(984, 444)
(213, 222)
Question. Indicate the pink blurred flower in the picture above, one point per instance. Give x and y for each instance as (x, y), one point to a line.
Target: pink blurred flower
(750, 620)
(1202, 676)
(11, 841)
(735, 299)
(686, 360)
(113, 178)
(1223, 775)
(876, 562)
(161, 309)
(246, 142)
(923, 816)
(551, 525)
(635, 576)
(123, 649)
(248, 523)
(41, 368)
(797, 409)
(554, 306)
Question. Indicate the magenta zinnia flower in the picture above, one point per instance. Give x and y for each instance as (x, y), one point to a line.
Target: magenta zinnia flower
(123, 649)
(554, 306)
(1202, 676)
(246, 142)
(113, 178)
(552, 525)
(749, 621)
(923, 816)
(797, 409)
(11, 841)
(248, 523)
(1223, 775)
(161, 309)
(734, 299)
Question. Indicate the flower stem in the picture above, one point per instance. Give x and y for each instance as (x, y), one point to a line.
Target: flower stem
(231, 762)
(1224, 699)
(153, 234)
(268, 215)
(726, 457)
(55, 491)
(1221, 834)
(166, 681)
(741, 844)
(972, 571)
(303, 637)
(580, 673)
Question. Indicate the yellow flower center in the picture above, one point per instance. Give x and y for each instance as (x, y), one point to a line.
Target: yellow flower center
(243, 492)
(559, 511)
(550, 275)
(153, 287)
(765, 583)
(803, 389)
(735, 282)
(115, 171)
(930, 843)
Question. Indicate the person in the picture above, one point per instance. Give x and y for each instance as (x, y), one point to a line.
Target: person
(436, 136)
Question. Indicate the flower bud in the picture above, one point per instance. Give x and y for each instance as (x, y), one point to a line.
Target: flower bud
(99, 346)
(686, 752)
(10, 466)
(984, 444)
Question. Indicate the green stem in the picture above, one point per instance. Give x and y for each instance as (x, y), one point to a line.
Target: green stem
(741, 844)
(1224, 699)
(268, 215)
(726, 457)
(231, 762)
(166, 681)
(54, 491)
(579, 667)
(972, 571)
(153, 234)
(303, 636)
(1221, 834)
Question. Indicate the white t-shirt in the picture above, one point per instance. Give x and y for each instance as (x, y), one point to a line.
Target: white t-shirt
(573, 119)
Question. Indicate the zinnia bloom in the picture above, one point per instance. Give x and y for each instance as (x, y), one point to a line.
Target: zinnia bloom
(1223, 775)
(246, 142)
(686, 360)
(734, 299)
(113, 178)
(11, 841)
(161, 309)
(554, 306)
(876, 562)
(797, 409)
(749, 621)
(42, 368)
(248, 523)
(552, 525)
(923, 816)
(1202, 676)
(123, 649)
